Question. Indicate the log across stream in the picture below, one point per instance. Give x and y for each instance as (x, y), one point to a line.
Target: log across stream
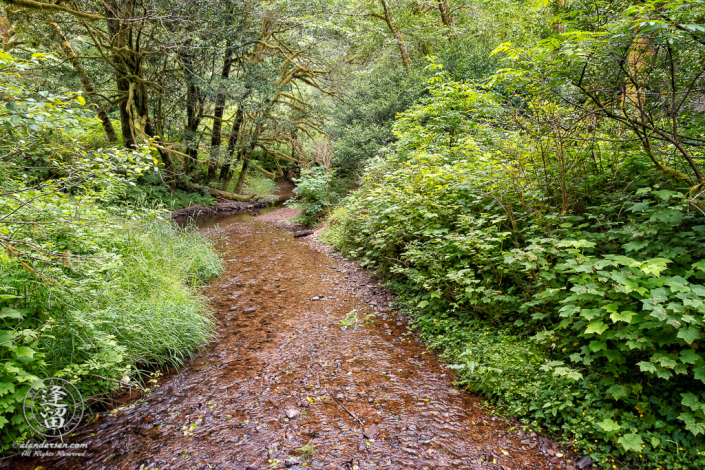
(283, 384)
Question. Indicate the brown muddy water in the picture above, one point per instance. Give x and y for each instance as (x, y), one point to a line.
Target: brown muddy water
(282, 374)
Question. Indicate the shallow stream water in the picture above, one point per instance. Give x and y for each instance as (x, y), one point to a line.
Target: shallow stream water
(282, 373)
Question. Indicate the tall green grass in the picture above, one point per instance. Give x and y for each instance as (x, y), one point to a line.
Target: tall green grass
(149, 303)
(130, 304)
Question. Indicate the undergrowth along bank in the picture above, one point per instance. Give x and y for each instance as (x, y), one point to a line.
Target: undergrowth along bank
(92, 291)
(572, 296)
(123, 302)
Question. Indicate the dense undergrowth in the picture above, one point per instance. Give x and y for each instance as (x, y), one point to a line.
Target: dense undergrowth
(586, 326)
(92, 288)
(571, 294)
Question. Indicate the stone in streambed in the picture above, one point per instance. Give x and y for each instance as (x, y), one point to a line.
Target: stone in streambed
(292, 414)
(371, 432)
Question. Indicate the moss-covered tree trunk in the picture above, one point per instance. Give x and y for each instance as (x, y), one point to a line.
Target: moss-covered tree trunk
(86, 83)
(389, 19)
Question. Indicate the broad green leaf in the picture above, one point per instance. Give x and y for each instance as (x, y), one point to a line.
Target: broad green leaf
(618, 391)
(6, 387)
(647, 366)
(654, 266)
(688, 334)
(699, 373)
(635, 245)
(597, 327)
(631, 442)
(609, 425)
(688, 356)
(691, 401)
(623, 316)
(25, 351)
(11, 313)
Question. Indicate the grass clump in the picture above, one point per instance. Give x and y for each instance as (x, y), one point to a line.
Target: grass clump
(307, 451)
(259, 185)
(122, 301)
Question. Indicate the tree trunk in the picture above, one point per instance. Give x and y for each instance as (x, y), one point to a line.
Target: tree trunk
(446, 17)
(637, 65)
(558, 6)
(86, 84)
(194, 111)
(226, 170)
(389, 19)
(243, 171)
(118, 40)
(216, 135)
(227, 195)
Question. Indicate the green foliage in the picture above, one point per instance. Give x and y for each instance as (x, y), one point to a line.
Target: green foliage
(150, 191)
(257, 183)
(121, 302)
(362, 127)
(85, 294)
(313, 194)
(594, 296)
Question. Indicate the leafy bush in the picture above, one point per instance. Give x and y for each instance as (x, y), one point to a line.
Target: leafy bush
(593, 295)
(119, 302)
(84, 294)
(150, 191)
(362, 127)
(313, 194)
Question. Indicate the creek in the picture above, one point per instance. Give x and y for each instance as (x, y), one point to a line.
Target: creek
(282, 374)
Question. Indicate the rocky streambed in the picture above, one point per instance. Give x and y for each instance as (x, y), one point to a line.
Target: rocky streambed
(310, 368)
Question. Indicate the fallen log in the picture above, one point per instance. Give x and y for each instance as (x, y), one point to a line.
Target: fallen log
(303, 233)
(227, 195)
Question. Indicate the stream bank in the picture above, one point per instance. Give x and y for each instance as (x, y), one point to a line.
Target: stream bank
(283, 384)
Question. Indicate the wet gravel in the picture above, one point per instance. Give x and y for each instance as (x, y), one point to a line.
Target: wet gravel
(284, 385)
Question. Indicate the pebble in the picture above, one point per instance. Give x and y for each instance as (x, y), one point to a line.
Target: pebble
(316, 298)
(371, 432)
(292, 414)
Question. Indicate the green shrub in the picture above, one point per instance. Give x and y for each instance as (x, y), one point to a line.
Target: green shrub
(313, 194)
(593, 294)
(84, 294)
(150, 191)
